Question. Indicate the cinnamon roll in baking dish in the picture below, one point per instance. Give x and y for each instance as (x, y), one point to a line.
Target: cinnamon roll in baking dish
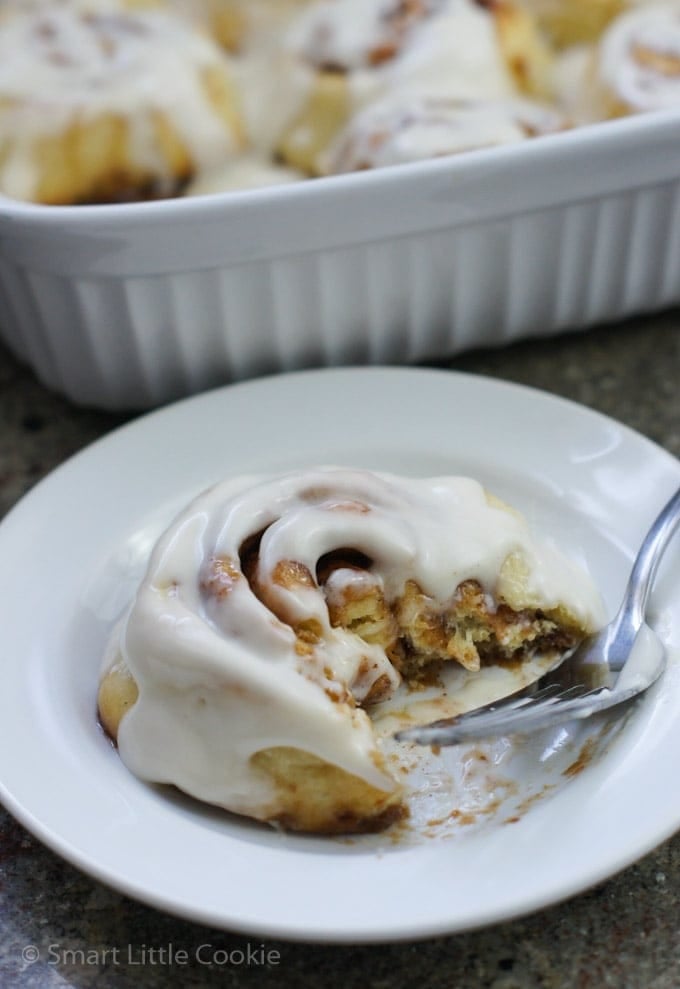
(409, 127)
(110, 100)
(277, 611)
(634, 68)
(99, 102)
(361, 50)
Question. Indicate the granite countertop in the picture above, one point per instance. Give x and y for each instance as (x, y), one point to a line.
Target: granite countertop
(61, 928)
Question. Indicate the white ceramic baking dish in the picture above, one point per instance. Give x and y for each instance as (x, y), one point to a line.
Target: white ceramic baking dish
(133, 305)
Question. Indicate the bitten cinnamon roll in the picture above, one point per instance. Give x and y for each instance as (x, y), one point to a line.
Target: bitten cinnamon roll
(409, 127)
(635, 67)
(101, 103)
(360, 50)
(276, 612)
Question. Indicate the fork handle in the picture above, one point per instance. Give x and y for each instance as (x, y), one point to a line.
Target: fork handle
(634, 605)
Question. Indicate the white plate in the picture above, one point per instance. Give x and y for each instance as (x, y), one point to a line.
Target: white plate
(72, 550)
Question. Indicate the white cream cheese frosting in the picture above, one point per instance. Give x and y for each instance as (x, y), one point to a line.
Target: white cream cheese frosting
(346, 35)
(220, 673)
(448, 47)
(405, 127)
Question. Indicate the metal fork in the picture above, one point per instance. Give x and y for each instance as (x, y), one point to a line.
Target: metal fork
(607, 670)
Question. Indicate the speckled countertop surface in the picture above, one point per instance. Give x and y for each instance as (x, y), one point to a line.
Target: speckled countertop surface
(60, 928)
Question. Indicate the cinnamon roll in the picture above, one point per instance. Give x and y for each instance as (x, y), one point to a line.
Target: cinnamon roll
(634, 68)
(361, 50)
(276, 612)
(412, 127)
(102, 103)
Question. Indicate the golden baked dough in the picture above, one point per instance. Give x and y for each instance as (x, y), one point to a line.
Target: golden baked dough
(106, 104)
(117, 693)
(227, 20)
(524, 49)
(324, 799)
(238, 24)
(570, 22)
(314, 128)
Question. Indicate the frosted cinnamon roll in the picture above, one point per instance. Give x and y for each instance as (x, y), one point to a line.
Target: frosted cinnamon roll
(103, 104)
(411, 127)
(639, 60)
(361, 50)
(634, 68)
(276, 611)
